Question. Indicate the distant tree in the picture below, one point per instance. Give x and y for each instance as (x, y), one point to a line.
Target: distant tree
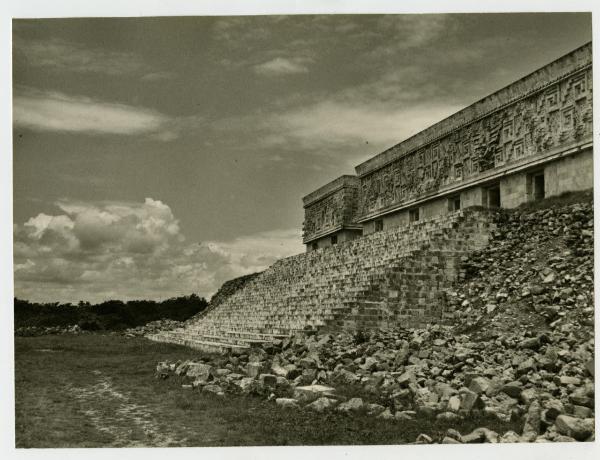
(107, 315)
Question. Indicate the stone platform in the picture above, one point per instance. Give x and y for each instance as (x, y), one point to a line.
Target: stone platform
(396, 277)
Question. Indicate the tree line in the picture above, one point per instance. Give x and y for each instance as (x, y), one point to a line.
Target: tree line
(107, 315)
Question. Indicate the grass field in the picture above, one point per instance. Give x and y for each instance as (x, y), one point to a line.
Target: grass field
(99, 391)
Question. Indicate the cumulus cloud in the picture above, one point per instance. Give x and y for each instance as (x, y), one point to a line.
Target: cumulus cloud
(54, 111)
(282, 66)
(127, 250)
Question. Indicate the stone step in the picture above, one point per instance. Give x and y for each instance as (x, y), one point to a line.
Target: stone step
(397, 275)
(210, 346)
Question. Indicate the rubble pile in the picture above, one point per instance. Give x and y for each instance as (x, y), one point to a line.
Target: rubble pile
(153, 327)
(520, 346)
(538, 269)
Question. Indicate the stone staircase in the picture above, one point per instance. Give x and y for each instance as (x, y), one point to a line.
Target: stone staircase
(391, 278)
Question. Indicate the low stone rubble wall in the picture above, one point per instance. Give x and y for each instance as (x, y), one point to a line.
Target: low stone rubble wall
(153, 327)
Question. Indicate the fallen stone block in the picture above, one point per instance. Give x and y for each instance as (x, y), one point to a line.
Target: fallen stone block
(268, 380)
(309, 393)
(447, 416)
(254, 369)
(214, 389)
(577, 428)
(510, 436)
(321, 404)
(512, 389)
(470, 400)
(374, 409)
(386, 415)
(405, 415)
(423, 439)
(479, 385)
(449, 440)
(199, 371)
(163, 369)
(531, 428)
(287, 403)
(352, 405)
(480, 435)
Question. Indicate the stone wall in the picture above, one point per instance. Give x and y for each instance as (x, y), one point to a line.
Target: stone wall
(385, 279)
(547, 111)
(570, 174)
(330, 208)
(342, 236)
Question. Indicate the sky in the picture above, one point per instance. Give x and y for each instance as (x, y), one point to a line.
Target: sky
(158, 157)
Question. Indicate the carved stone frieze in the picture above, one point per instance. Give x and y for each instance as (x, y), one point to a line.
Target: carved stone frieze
(331, 207)
(560, 114)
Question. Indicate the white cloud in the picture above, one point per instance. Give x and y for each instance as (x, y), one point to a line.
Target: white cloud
(282, 66)
(339, 123)
(54, 111)
(95, 251)
(251, 253)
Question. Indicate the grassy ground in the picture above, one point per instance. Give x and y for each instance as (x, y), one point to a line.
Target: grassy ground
(99, 391)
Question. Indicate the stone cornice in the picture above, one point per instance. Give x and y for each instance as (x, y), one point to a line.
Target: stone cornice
(330, 231)
(329, 188)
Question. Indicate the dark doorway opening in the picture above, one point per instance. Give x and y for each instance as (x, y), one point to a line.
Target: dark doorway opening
(539, 187)
(454, 203)
(493, 197)
(413, 215)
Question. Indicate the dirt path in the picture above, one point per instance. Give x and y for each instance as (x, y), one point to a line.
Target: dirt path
(113, 413)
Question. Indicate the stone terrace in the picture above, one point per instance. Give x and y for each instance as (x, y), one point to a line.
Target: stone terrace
(391, 278)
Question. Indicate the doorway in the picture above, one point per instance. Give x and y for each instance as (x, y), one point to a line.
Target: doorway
(493, 196)
(539, 187)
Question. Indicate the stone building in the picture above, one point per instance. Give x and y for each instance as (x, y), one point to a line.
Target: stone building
(529, 140)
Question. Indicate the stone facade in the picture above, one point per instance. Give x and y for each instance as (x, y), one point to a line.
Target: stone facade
(331, 211)
(540, 124)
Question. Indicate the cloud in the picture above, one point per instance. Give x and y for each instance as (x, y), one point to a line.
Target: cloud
(63, 55)
(100, 250)
(282, 66)
(346, 127)
(251, 253)
(338, 123)
(347, 133)
(403, 32)
(54, 111)
(238, 31)
(158, 76)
